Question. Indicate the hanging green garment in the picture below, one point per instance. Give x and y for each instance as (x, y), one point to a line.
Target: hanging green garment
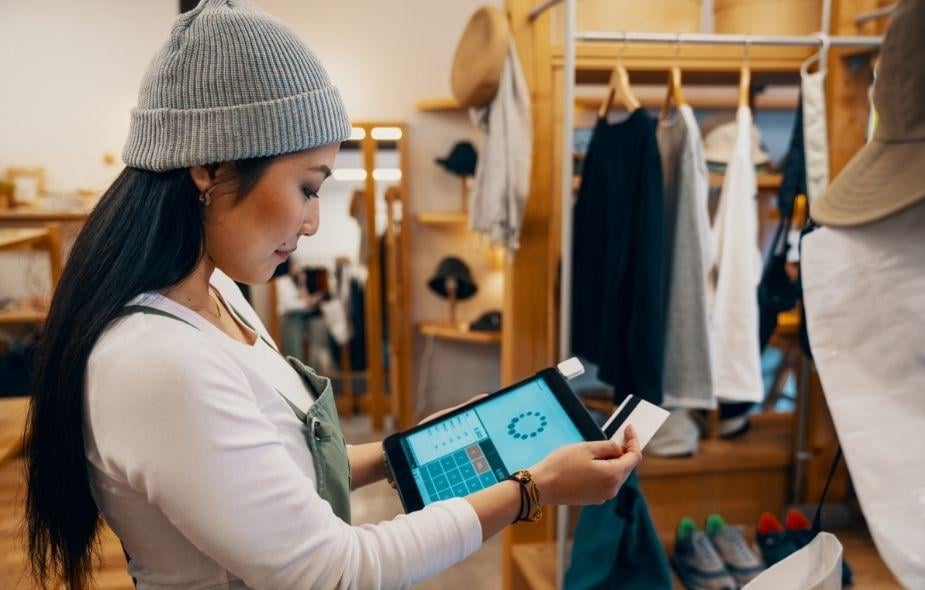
(616, 546)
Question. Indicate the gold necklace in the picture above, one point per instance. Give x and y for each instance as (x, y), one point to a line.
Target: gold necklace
(218, 306)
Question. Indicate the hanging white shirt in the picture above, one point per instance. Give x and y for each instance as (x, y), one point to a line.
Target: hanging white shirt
(202, 470)
(737, 355)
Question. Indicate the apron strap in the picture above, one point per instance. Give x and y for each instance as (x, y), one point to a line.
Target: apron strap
(145, 309)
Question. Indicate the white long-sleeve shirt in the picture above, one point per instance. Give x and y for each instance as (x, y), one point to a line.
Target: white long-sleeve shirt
(202, 470)
(737, 354)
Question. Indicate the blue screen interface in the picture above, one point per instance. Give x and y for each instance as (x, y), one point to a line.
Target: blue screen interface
(475, 449)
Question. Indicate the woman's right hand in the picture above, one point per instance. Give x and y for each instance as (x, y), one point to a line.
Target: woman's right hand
(586, 473)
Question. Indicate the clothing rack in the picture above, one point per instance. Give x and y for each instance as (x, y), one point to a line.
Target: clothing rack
(571, 37)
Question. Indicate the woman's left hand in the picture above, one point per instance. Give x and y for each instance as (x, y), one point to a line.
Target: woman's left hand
(448, 410)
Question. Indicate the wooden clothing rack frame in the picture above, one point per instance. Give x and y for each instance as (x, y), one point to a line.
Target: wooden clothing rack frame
(566, 60)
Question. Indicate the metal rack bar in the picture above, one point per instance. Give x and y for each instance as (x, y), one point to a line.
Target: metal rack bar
(717, 39)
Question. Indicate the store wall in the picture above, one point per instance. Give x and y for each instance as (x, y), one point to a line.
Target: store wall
(71, 72)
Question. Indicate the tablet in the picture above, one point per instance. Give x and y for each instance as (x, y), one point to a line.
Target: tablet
(483, 442)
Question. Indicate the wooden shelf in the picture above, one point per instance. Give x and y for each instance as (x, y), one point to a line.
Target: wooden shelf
(22, 317)
(766, 447)
(651, 97)
(446, 331)
(438, 104)
(21, 239)
(766, 182)
(13, 412)
(706, 64)
(51, 210)
(443, 218)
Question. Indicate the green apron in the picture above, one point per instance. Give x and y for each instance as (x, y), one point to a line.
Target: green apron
(323, 433)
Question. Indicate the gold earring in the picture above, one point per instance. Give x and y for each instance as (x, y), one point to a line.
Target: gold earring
(205, 197)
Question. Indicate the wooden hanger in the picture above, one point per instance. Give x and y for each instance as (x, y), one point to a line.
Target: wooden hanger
(745, 79)
(673, 93)
(745, 83)
(619, 85)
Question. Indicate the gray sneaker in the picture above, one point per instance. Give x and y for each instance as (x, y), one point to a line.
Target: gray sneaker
(695, 559)
(730, 542)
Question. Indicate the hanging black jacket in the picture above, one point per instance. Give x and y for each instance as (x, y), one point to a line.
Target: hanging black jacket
(617, 254)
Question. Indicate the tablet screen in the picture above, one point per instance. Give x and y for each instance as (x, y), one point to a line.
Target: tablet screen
(485, 444)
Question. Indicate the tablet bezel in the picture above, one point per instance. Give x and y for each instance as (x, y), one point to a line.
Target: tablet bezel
(398, 463)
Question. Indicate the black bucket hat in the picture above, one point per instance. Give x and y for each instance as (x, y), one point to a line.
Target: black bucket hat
(461, 159)
(453, 268)
(490, 321)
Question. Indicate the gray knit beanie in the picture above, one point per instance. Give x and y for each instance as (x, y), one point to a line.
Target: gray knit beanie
(231, 82)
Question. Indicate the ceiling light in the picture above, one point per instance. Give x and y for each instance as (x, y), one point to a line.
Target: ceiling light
(386, 174)
(349, 174)
(386, 133)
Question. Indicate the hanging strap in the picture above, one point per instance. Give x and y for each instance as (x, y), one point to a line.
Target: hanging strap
(130, 309)
(146, 309)
(817, 520)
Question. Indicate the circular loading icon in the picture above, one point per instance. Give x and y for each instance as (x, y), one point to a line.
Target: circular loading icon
(526, 425)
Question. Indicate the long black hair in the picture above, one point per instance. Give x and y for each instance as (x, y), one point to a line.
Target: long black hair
(146, 234)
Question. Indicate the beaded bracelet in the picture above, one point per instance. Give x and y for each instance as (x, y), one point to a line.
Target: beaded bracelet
(530, 508)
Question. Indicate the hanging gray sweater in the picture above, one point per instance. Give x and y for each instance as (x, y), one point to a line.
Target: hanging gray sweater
(688, 379)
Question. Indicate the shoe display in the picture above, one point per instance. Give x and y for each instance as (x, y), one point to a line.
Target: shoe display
(696, 561)
(800, 532)
(741, 562)
(773, 540)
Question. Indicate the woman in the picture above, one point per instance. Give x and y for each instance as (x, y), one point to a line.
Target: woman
(159, 401)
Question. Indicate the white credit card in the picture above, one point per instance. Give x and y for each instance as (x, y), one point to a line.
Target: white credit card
(645, 417)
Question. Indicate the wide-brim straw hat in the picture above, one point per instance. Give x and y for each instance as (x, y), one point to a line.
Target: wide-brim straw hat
(480, 57)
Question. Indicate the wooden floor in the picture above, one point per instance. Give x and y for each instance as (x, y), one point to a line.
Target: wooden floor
(535, 564)
(110, 575)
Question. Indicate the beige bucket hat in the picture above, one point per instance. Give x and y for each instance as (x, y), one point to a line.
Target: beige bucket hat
(888, 174)
(480, 57)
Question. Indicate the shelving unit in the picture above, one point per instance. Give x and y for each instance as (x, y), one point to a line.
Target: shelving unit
(446, 331)
(46, 239)
(440, 228)
(13, 412)
(438, 104)
(766, 181)
(443, 218)
(48, 210)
